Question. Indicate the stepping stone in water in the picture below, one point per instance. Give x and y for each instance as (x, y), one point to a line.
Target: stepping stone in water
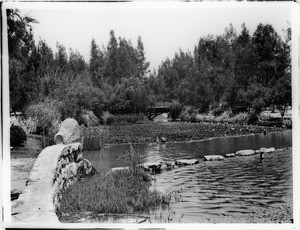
(270, 150)
(213, 158)
(186, 162)
(265, 150)
(119, 169)
(167, 165)
(154, 166)
(230, 155)
(246, 152)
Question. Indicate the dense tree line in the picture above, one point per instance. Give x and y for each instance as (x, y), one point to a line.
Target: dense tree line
(229, 71)
(65, 85)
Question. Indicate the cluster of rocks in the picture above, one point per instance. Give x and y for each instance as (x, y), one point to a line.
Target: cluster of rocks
(249, 152)
(159, 166)
(156, 167)
(71, 166)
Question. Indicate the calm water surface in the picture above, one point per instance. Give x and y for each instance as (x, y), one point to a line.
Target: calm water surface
(235, 186)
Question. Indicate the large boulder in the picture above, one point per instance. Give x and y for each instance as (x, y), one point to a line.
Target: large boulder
(85, 168)
(69, 132)
(246, 152)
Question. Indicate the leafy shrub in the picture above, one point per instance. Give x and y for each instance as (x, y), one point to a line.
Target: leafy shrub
(92, 138)
(41, 131)
(224, 117)
(218, 111)
(287, 123)
(205, 118)
(175, 109)
(107, 118)
(88, 118)
(239, 118)
(264, 116)
(27, 124)
(189, 114)
(143, 119)
(184, 117)
(193, 117)
(110, 120)
(17, 136)
(253, 118)
(46, 115)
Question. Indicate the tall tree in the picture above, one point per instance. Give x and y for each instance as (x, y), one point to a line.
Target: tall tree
(112, 63)
(76, 62)
(20, 48)
(61, 57)
(266, 42)
(96, 64)
(143, 65)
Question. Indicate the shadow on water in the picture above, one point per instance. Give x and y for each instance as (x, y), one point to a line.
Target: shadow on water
(235, 186)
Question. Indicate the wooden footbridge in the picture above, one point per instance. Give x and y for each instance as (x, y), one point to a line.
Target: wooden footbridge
(156, 110)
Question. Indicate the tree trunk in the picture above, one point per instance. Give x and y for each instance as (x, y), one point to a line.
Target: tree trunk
(44, 141)
(283, 112)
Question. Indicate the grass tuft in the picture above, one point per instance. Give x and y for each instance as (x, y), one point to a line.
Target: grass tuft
(124, 191)
(117, 192)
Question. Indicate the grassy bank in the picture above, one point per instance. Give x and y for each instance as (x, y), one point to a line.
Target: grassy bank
(118, 192)
(147, 133)
(127, 191)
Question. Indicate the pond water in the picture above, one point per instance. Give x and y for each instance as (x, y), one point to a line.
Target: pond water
(233, 187)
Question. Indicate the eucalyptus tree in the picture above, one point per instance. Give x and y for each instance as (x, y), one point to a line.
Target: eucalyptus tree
(273, 68)
(20, 49)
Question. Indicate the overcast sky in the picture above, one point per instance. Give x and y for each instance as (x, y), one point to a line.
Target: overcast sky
(164, 28)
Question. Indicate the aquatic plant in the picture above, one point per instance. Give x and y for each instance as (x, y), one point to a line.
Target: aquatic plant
(92, 138)
(116, 192)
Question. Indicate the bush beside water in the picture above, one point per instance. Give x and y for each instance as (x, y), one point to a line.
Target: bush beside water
(189, 114)
(123, 191)
(116, 192)
(17, 136)
(92, 138)
(122, 119)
